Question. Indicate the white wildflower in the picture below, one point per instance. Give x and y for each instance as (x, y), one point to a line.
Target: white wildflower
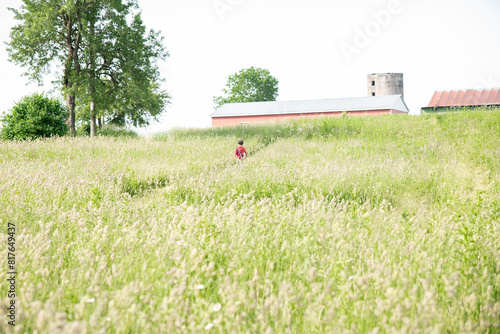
(200, 287)
(207, 327)
(91, 300)
(217, 307)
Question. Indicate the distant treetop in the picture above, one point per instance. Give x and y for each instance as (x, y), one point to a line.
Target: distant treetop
(249, 85)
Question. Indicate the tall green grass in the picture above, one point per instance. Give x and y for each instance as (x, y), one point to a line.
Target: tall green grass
(354, 225)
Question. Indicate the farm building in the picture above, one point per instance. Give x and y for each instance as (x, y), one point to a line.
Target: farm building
(385, 84)
(272, 111)
(456, 99)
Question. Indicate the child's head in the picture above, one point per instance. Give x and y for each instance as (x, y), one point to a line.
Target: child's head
(240, 142)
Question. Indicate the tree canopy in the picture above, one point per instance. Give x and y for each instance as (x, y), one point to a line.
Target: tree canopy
(107, 57)
(249, 85)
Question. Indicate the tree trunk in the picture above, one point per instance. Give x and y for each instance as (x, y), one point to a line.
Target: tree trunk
(93, 112)
(99, 122)
(70, 103)
(92, 119)
(68, 83)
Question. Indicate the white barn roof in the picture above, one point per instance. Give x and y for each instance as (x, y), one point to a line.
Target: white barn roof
(311, 106)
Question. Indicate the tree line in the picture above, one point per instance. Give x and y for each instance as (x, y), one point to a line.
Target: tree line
(105, 56)
(107, 70)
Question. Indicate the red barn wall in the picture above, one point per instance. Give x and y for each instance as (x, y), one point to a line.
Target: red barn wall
(237, 120)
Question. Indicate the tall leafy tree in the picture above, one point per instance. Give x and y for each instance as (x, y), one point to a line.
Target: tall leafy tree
(107, 56)
(122, 79)
(50, 31)
(249, 85)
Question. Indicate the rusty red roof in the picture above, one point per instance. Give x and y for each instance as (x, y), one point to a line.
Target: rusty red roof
(463, 98)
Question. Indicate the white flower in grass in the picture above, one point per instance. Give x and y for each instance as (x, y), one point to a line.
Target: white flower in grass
(351, 277)
(91, 300)
(207, 327)
(200, 287)
(217, 307)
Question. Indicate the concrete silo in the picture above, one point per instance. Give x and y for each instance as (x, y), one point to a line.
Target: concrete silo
(380, 84)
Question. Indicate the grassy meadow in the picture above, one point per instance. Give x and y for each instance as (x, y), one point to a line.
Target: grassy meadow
(385, 224)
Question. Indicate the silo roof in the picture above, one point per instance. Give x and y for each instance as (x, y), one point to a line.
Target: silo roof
(394, 102)
(464, 98)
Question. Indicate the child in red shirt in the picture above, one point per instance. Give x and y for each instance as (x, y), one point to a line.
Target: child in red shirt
(240, 151)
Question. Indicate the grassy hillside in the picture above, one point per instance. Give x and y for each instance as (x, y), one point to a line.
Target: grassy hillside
(356, 225)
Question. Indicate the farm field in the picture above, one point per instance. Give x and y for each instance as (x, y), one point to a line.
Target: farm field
(387, 224)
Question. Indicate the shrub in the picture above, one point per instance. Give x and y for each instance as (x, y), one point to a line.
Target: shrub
(110, 130)
(35, 116)
(83, 130)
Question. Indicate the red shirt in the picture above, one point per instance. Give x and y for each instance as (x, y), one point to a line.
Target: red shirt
(242, 150)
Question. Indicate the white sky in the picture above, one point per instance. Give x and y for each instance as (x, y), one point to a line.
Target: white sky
(437, 44)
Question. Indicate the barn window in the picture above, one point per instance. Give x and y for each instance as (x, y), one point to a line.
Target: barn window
(373, 83)
(373, 94)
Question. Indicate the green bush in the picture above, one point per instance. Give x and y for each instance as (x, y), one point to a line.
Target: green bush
(110, 130)
(35, 116)
(83, 130)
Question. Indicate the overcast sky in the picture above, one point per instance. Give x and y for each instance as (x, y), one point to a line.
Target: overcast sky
(315, 48)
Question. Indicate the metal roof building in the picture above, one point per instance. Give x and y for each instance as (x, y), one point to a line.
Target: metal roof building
(446, 100)
(249, 112)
